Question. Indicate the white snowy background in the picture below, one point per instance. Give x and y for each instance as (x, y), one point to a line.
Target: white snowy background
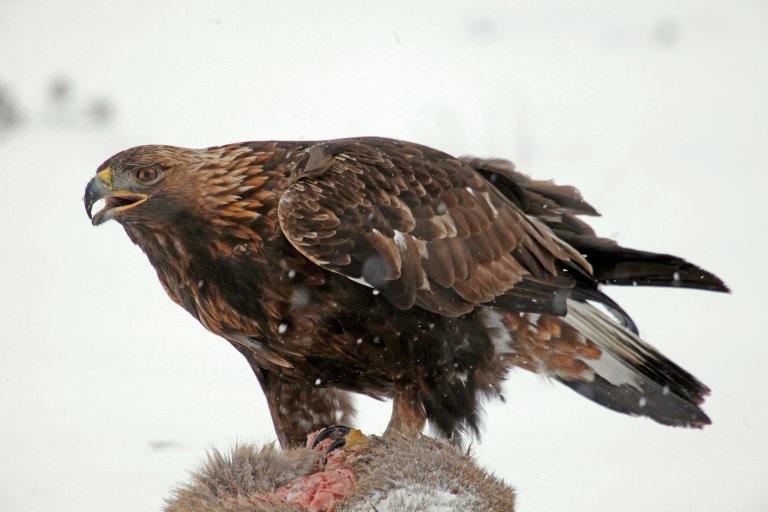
(656, 110)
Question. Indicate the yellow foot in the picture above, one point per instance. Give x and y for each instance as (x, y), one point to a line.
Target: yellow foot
(342, 436)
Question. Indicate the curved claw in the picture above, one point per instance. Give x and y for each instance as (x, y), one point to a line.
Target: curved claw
(337, 432)
(336, 445)
(342, 436)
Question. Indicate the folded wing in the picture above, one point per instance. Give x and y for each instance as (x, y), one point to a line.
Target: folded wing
(423, 228)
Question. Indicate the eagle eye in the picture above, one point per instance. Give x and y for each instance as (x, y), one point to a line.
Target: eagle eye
(146, 174)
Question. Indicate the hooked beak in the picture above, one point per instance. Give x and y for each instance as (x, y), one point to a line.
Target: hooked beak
(100, 187)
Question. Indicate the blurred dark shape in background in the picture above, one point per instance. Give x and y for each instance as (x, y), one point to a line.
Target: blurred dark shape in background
(99, 111)
(667, 32)
(10, 115)
(59, 90)
(57, 109)
(159, 445)
(61, 107)
(483, 29)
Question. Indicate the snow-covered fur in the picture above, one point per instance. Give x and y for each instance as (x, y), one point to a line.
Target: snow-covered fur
(400, 474)
(416, 475)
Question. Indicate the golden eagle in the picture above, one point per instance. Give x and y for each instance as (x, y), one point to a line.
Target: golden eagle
(388, 268)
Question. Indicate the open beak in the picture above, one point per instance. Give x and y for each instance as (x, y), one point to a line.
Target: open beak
(116, 201)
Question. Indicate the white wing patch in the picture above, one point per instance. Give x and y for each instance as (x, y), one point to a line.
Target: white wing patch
(358, 280)
(620, 348)
(497, 331)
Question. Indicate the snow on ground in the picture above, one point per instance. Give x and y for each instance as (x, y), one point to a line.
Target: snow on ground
(418, 498)
(109, 393)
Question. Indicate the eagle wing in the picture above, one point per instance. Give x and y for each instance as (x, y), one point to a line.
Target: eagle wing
(422, 228)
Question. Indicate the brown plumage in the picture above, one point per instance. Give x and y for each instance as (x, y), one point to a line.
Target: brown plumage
(392, 269)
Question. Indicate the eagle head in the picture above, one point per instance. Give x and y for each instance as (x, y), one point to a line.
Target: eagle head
(159, 186)
(140, 184)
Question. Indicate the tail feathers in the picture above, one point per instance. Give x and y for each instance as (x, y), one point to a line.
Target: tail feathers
(651, 400)
(632, 377)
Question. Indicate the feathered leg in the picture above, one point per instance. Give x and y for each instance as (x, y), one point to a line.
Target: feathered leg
(408, 414)
(299, 409)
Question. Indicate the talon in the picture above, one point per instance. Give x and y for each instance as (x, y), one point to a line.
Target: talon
(336, 445)
(342, 435)
(335, 431)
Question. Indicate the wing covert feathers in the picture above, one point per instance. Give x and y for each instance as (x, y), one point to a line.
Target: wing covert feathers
(421, 227)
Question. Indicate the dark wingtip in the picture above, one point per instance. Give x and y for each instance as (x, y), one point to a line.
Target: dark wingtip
(689, 275)
(629, 267)
(718, 285)
(693, 276)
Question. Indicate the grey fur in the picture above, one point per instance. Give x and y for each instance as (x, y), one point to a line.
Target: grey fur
(392, 474)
